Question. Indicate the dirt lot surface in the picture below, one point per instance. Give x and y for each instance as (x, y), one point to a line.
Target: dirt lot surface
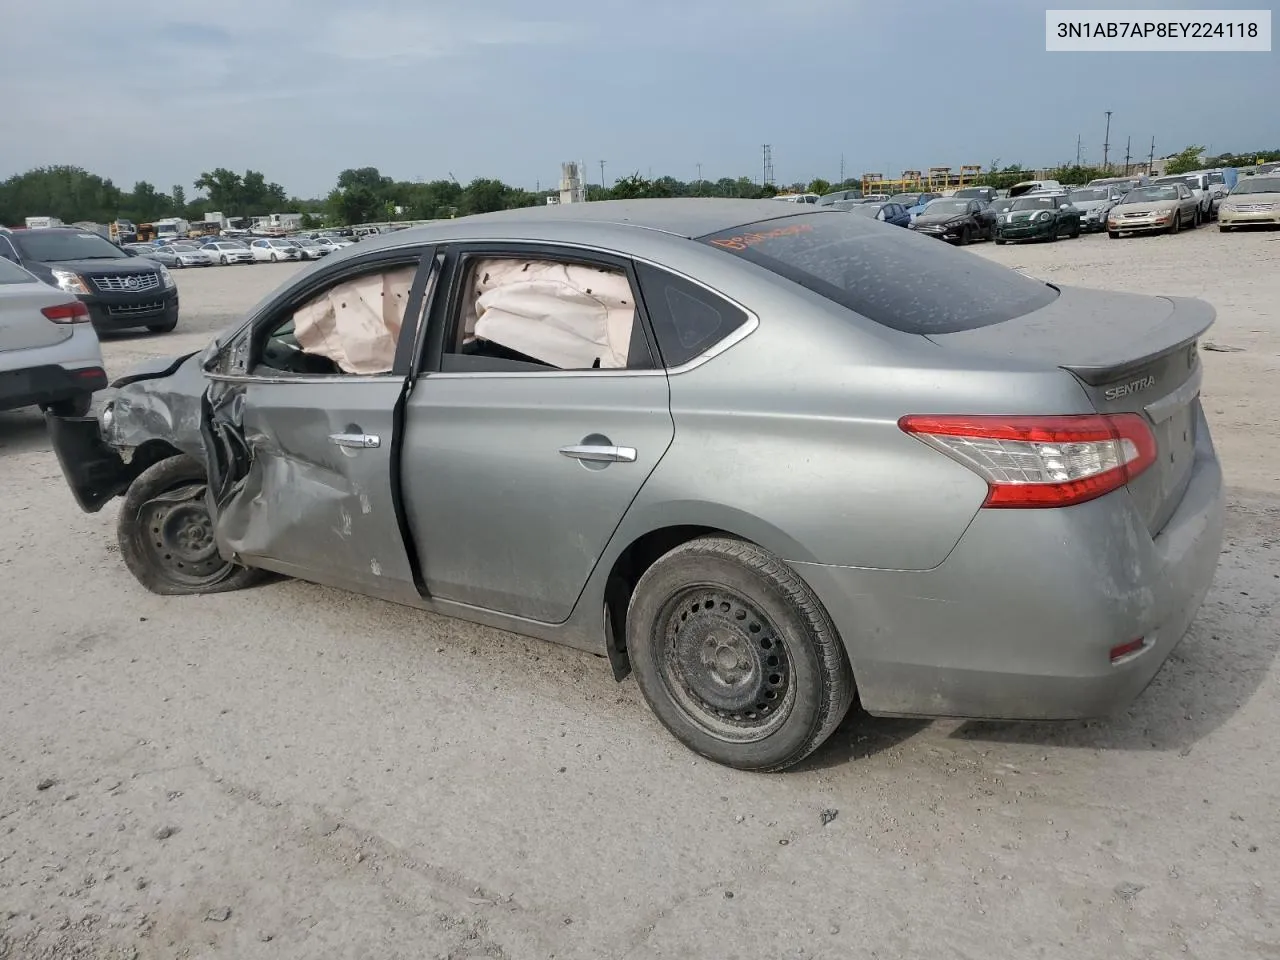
(296, 772)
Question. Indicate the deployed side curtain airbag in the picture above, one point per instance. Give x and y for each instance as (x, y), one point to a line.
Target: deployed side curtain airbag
(356, 324)
(571, 316)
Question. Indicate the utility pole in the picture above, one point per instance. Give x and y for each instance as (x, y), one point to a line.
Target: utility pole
(1077, 149)
(1106, 142)
(767, 173)
(842, 169)
(602, 183)
(1128, 141)
(1151, 159)
(699, 179)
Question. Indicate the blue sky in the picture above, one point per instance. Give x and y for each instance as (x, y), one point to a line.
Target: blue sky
(301, 89)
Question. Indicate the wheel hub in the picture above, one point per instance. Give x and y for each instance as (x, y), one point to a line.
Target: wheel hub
(180, 536)
(725, 664)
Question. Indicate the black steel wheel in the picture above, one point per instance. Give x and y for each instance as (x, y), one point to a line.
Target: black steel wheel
(166, 534)
(736, 656)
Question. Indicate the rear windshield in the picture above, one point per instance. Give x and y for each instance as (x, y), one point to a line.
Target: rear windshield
(12, 273)
(895, 277)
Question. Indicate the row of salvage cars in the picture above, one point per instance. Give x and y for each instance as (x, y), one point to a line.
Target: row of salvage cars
(773, 461)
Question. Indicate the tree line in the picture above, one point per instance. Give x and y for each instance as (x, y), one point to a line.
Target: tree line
(365, 194)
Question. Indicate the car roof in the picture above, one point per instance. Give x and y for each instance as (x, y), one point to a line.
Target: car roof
(606, 220)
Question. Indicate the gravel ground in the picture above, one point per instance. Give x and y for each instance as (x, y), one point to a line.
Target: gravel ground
(296, 772)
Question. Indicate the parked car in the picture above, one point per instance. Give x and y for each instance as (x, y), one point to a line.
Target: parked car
(1093, 204)
(333, 243)
(274, 250)
(921, 540)
(161, 255)
(1000, 206)
(1035, 186)
(1123, 184)
(120, 289)
(1198, 184)
(311, 249)
(985, 194)
(1039, 216)
(891, 213)
(191, 255)
(1157, 207)
(956, 220)
(914, 202)
(49, 352)
(1254, 200)
(227, 252)
(827, 199)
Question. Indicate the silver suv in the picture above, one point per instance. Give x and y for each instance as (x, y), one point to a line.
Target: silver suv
(49, 352)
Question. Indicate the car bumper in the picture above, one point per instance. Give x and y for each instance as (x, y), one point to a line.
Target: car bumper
(124, 311)
(1033, 641)
(60, 371)
(93, 469)
(1242, 218)
(1020, 231)
(942, 233)
(1138, 226)
(1093, 224)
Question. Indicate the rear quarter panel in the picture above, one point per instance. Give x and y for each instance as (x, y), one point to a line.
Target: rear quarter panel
(790, 437)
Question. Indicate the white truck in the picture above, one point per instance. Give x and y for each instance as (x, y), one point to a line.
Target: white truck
(43, 223)
(172, 228)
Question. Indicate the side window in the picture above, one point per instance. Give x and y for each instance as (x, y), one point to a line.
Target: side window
(351, 327)
(7, 251)
(535, 314)
(688, 320)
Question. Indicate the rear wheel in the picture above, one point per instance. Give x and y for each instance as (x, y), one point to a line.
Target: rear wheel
(736, 656)
(166, 533)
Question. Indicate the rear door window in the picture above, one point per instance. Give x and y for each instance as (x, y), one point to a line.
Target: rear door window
(893, 277)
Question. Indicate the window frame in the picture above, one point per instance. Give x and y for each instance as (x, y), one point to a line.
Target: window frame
(447, 308)
(243, 350)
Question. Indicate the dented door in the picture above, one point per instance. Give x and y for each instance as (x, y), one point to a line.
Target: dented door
(316, 502)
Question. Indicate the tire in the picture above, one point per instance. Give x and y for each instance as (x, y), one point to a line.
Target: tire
(999, 241)
(225, 261)
(1177, 223)
(149, 535)
(1223, 228)
(723, 598)
(167, 327)
(1074, 232)
(274, 258)
(77, 406)
(1113, 234)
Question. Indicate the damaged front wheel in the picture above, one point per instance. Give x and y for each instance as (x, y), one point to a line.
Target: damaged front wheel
(166, 533)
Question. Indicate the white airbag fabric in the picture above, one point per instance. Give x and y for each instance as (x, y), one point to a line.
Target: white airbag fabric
(566, 315)
(356, 324)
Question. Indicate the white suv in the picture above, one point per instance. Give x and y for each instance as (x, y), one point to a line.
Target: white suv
(49, 352)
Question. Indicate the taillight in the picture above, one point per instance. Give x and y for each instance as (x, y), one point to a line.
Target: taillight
(73, 312)
(1042, 461)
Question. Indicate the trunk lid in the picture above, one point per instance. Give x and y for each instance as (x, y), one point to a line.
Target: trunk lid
(22, 325)
(1130, 354)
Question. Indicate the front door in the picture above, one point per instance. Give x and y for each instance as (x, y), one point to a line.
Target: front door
(319, 421)
(541, 416)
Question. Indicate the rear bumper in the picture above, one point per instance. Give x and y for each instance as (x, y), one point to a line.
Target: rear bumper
(1019, 621)
(48, 384)
(60, 371)
(125, 311)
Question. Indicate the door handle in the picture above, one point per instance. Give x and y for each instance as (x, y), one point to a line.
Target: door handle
(358, 441)
(600, 454)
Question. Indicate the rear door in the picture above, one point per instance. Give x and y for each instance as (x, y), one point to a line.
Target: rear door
(318, 415)
(526, 440)
(22, 297)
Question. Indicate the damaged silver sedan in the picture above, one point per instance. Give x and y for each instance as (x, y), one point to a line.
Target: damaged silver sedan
(721, 443)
